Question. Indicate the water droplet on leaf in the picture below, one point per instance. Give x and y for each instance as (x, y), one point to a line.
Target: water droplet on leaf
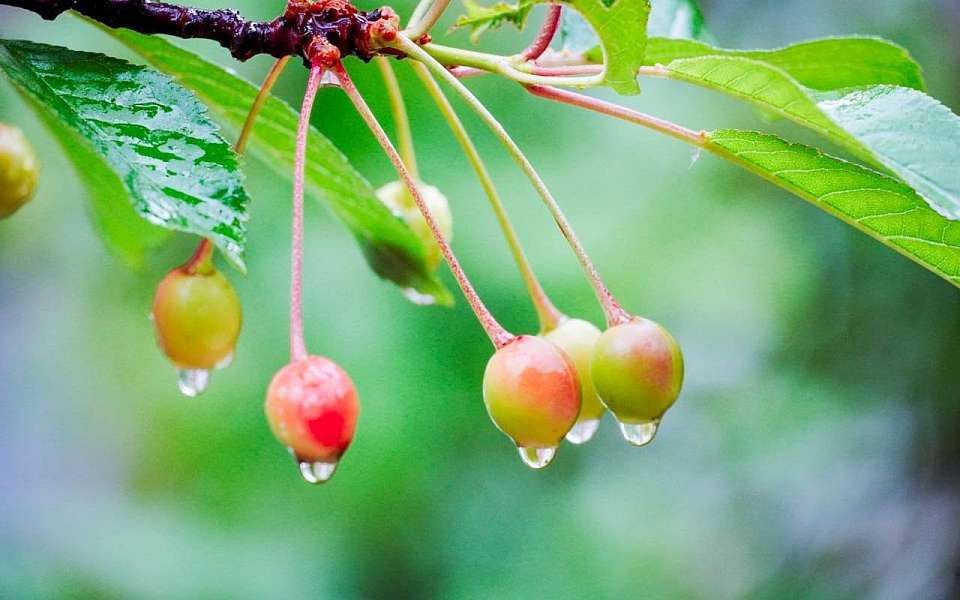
(640, 434)
(582, 431)
(537, 458)
(225, 362)
(192, 382)
(317, 472)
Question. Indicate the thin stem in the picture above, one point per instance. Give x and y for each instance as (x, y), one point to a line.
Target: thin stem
(501, 65)
(298, 349)
(202, 259)
(498, 335)
(241, 145)
(547, 313)
(545, 36)
(611, 308)
(620, 112)
(419, 11)
(400, 119)
(418, 28)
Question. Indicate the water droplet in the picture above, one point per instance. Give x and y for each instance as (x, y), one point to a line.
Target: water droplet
(225, 362)
(582, 431)
(192, 382)
(695, 156)
(640, 434)
(329, 79)
(317, 472)
(418, 298)
(537, 458)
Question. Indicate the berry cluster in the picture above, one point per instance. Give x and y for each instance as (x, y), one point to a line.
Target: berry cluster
(538, 389)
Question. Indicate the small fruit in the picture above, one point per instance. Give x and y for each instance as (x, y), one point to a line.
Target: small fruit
(396, 197)
(577, 338)
(638, 371)
(196, 315)
(18, 170)
(312, 408)
(532, 394)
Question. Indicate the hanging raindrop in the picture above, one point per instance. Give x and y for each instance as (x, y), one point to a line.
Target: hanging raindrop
(419, 298)
(192, 382)
(317, 472)
(225, 362)
(640, 434)
(537, 458)
(582, 431)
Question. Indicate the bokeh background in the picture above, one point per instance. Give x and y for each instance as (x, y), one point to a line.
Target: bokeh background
(814, 452)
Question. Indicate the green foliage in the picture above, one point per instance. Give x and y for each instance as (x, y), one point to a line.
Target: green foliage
(891, 127)
(874, 203)
(622, 24)
(130, 126)
(481, 19)
(391, 248)
(824, 64)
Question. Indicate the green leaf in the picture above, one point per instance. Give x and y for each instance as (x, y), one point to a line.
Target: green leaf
(154, 135)
(481, 19)
(895, 128)
(391, 248)
(878, 205)
(667, 19)
(676, 19)
(126, 234)
(824, 64)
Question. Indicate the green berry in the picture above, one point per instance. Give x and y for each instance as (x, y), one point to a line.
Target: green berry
(19, 170)
(532, 393)
(197, 317)
(577, 338)
(396, 197)
(637, 370)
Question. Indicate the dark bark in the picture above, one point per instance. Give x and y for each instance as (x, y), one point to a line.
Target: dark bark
(288, 35)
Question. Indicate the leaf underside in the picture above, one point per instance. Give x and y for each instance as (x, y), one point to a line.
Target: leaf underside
(390, 247)
(153, 135)
(876, 204)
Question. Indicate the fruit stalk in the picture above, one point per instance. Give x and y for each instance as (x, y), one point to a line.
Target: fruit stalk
(612, 310)
(400, 119)
(498, 335)
(547, 313)
(298, 349)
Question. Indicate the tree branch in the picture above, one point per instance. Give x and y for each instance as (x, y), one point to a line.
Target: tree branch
(337, 21)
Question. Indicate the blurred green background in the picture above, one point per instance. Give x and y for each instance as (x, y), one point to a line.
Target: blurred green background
(815, 451)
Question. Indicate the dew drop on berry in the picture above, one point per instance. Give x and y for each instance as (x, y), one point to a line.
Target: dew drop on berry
(640, 434)
(695, 156)
(192, 382)
(225, 362)
(317, 472)
(419, 298)
(329, 79)
(537, 458)
(583, 431)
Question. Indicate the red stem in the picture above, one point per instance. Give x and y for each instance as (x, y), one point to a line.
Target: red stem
(200, 261)
(298, 349)
(549, 29)
(498, 335)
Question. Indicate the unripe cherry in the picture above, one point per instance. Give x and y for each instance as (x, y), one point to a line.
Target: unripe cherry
(532, 394)
(638, 371)
(196, 315)
(577, 338)
(312, 408)
(396, 197)
(19, 170)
